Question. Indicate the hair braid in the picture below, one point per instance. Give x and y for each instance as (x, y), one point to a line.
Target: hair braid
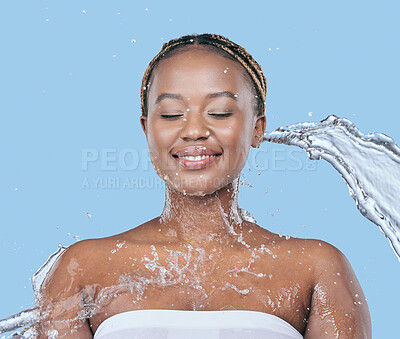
(221, 43)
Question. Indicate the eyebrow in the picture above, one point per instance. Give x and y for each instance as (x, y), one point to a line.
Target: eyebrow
(226, 94)
(168, 96)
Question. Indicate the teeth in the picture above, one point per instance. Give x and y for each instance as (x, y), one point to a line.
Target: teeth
(197, 157)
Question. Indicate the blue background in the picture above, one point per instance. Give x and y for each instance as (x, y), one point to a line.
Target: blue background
(70, 83)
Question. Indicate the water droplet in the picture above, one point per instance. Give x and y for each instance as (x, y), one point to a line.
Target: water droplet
(310, 114)
(133, 40)
(89, 215)
(83, 12)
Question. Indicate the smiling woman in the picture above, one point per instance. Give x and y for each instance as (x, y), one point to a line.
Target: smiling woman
(203, 101)
(198, 104)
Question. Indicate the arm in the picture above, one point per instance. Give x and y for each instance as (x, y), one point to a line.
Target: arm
(61, 304)
(338, 307)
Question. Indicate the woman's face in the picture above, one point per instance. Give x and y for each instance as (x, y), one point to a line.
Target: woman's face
(201, 121)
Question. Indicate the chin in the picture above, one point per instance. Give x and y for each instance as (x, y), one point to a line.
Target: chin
(201, 187)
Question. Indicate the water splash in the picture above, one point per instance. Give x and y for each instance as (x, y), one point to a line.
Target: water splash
(39, 276)
(24, 318)
(369, 164)
(28, 317)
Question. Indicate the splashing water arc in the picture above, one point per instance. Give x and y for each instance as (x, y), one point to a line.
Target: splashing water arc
(369, 164)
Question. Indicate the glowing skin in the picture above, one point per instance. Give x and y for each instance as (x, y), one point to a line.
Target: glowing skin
(200, 127)
(201, 253)
(197, 108)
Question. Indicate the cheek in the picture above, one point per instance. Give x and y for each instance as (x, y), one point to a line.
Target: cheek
(159, 140)
(159, 134)
(237, 135)
(236, 139)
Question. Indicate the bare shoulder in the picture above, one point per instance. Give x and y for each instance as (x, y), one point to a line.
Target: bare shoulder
(323, 256)
(84, 261)
(338, 306)
(61, 298)
(71, 282)
(69, 269)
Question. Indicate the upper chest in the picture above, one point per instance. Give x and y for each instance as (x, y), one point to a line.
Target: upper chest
(189, 278)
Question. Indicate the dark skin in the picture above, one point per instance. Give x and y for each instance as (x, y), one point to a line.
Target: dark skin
(200, 254)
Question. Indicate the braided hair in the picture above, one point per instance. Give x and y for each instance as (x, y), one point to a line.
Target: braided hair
(222, 46)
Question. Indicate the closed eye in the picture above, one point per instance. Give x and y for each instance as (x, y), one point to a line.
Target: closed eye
(171, 116)
(221, 115)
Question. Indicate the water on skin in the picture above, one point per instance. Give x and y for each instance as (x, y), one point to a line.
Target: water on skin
(181, 269)
(362, 160)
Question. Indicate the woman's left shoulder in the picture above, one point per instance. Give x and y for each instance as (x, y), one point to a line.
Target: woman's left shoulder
(337, 290)
(323, 253)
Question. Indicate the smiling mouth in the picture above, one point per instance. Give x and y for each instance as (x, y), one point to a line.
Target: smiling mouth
(196, 157)
(197, 162)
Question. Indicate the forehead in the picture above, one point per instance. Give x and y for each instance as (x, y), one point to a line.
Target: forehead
(199, 69)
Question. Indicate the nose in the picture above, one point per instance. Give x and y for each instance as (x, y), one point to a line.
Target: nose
(195, 127)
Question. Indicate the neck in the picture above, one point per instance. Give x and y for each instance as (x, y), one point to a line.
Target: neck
(203, 220)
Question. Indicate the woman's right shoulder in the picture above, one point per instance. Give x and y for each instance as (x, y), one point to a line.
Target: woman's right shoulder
(78, 263)
(82, 251)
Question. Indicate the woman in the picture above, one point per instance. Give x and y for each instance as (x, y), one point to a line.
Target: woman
(203, 102)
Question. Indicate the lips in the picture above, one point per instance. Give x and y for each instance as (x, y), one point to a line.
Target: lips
(196, 157)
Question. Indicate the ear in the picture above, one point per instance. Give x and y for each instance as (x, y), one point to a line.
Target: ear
(143, 123)
(259, 130)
